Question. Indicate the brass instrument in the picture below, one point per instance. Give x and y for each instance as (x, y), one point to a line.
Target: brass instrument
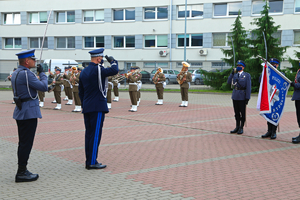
(155, 77)
(182, 75)
(130, 73)
(119, 78)
(73, 76)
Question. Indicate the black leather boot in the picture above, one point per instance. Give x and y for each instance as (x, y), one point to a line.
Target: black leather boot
(296, 140)
(273, 135)
(23, 175)
(241, 131)
(237, 126)
(269, 133)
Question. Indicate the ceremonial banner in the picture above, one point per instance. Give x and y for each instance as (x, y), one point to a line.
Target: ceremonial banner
(272, 93)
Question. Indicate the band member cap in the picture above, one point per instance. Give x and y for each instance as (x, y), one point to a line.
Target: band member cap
(58, 69)
(97, 52)
(274, 60)
(240, 62)
(185, 64)
(26, 54)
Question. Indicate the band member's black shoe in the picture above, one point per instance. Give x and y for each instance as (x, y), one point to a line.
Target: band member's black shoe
(96, 166)
(235, 130)
(296, 137)
(296, 140)
(273, 136)
(26, 176)
(240, 131)
(268, 134)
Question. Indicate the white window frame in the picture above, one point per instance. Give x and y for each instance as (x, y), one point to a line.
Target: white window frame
(298, 31)
(124, 15)
(13, 14)
(190, 11)
(94, 42)
(226, 42)
(38, 17)
(227, 10)
(190, 41)
(66, 38)
(94, 19)
(270, 13)
(156, 7)
(40, 42)
(14, 44)
(66, 17)
(124, 39)
(295, 8)
(144, 43)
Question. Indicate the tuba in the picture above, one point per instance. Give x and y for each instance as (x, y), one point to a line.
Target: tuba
(183, 73)
(73, 76)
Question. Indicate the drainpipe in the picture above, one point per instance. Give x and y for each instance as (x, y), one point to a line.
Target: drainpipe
(170, 54)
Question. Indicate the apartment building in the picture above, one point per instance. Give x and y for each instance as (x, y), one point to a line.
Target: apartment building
(148, 34)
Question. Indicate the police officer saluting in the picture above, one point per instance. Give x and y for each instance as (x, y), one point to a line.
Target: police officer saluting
(240, 94)
(92, 93)
(25, 85)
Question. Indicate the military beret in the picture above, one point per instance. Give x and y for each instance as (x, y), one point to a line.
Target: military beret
(274, 60)
(26, 54)
(240, 62)
(97, 52)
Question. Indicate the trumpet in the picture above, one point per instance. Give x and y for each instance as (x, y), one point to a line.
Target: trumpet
(130, 73)
(119, 78)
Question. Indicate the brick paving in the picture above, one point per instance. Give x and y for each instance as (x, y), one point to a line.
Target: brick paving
(159, 152)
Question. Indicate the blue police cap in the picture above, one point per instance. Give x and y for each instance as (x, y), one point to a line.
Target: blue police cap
(15, 69)
(97, 52)
(240, 62)
(26, 54)
(274, 60)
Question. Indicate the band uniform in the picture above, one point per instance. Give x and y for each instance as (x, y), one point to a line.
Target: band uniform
(68, 86)
(74, 80)
(184, 78)
(159, 81)
(57, 81)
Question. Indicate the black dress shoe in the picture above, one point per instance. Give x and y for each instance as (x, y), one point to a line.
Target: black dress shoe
(235, 130)
(296, 137)
(268, 134)
(240, 131)
(96, 166)
(273, 136)
(296, 140)
(26, 176)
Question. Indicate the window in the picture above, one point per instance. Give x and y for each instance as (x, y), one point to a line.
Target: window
(227, 9)
(297, 37)
(193, 11)
(65, 42)
(220, 65)
(196, 40)
(276, 6)
(12, 43)
(221, 40)
(94, 42)
(124, 14)
(156, 40)
(153, 13)
(65, 17)
(278, 36)
(162, 65)
(124, 41)
(37, 43)
(93, 16)
(12, 18)
(38, 17)
(297, 6)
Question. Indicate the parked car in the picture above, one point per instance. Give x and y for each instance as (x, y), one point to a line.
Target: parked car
(145, 76)
(170, 74)
(197, 77)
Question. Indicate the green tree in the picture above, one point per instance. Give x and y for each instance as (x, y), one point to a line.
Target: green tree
(266, 25)
(218, 79)
(290, 73)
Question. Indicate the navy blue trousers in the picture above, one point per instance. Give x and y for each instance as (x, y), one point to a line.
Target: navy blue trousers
(93, 131)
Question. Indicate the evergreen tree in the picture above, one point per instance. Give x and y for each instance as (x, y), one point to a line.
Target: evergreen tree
(290, 73)
(266, 25)
(218, 79)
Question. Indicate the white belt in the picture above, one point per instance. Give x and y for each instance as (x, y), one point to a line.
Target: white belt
(133, 84)
(110, 83)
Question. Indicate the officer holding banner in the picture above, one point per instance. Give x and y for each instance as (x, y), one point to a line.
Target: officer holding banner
(240, 94)
(296, 98)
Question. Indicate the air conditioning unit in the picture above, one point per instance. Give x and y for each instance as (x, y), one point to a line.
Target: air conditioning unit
(203, 52)
(163, 53)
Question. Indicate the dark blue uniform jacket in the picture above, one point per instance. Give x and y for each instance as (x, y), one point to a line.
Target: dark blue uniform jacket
(296, 94)
(90, 95)
(242, 88)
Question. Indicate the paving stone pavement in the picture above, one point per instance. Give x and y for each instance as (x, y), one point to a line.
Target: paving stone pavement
(159, 152)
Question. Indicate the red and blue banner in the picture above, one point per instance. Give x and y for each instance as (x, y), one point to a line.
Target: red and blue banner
(272, 94)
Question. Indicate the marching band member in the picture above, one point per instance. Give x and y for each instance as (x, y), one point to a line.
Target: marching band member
(54, 101)
(57, 81)
(68, 86)
(132, 79)
(74, 79)
(116, 83)
(159, 81)
(184, 78)
(139, 86)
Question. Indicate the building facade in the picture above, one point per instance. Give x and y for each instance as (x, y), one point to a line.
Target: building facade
(146, 34)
